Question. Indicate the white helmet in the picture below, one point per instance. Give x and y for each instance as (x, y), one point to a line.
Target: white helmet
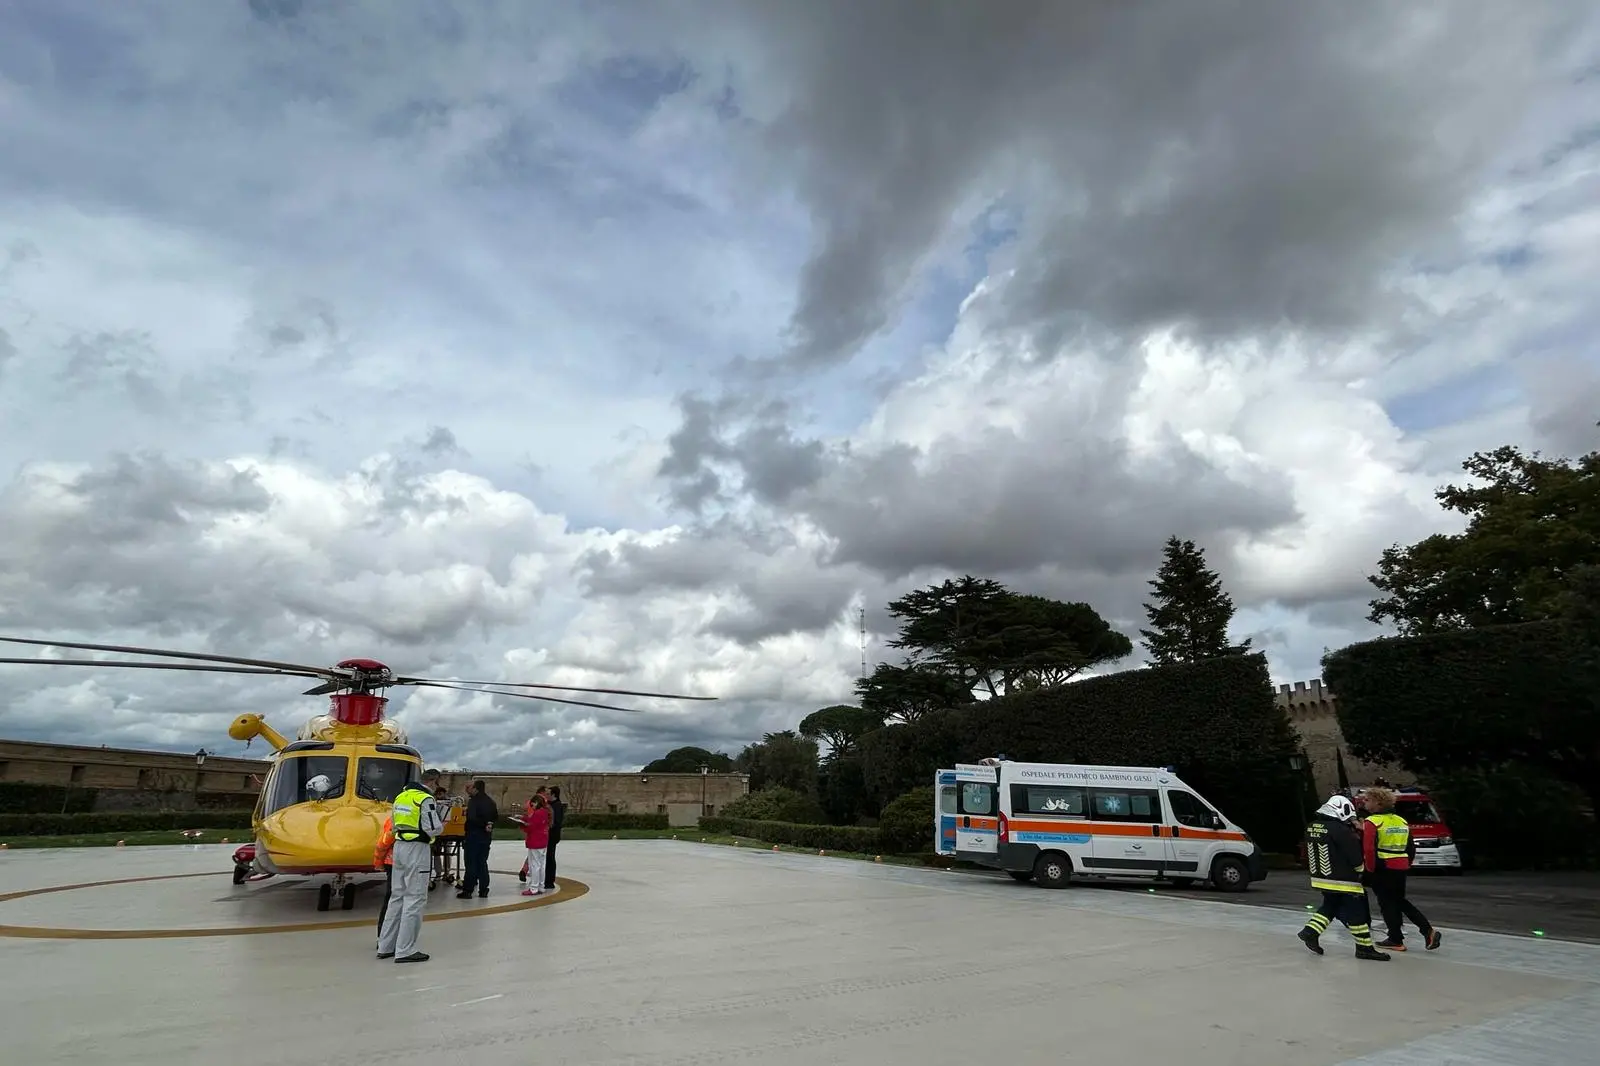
(320, 785)
(1340, 808)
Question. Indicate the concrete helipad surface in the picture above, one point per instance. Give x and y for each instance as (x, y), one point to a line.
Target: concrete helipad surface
(682, 953)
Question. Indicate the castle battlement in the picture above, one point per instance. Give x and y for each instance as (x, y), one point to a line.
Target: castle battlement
(1313, 712)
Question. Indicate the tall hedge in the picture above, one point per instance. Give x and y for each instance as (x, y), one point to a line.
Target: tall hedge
(1451, 702)
(1216, 721)
(20, 797)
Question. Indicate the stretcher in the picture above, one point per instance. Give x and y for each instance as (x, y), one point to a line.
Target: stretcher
(448, 858)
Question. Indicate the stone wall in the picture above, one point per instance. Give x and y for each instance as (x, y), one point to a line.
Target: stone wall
(126, 779)
(1313, 712)
(615, 793)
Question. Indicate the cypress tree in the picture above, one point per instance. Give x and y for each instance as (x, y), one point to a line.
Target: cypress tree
(1189, 618)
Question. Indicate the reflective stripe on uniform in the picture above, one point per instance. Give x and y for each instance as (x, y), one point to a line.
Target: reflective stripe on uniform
(1322, 885)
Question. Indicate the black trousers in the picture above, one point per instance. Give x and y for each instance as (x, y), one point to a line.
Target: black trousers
(550, 859)
(1347, 907)
(388, 890)
(475, 859)
(1390, 888)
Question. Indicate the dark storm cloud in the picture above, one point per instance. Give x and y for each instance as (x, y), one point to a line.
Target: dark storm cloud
(774, 463)
(1063, 491)
(1225, 165)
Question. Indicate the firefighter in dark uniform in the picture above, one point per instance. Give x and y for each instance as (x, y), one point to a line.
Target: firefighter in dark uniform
(1333, 856)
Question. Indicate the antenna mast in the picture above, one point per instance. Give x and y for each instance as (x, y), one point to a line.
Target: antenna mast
(861, 618)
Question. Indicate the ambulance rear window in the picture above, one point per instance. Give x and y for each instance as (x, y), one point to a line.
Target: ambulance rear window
(977, 798)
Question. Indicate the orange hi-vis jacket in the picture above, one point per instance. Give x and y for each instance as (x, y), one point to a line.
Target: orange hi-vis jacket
(383, 854)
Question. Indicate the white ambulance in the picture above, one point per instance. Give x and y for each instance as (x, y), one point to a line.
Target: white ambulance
(1045, 822)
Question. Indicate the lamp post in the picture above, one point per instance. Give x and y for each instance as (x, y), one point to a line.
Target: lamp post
(1297, 763)
(704, 772)
(199, 763)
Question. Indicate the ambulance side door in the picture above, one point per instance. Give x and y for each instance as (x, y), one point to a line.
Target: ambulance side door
(944, 815)
(1128, 831)
(1191, 839)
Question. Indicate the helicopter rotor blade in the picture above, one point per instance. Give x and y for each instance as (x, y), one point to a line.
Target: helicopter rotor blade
(270, 664)
(554, 688)
(158, 666)
(422, 682)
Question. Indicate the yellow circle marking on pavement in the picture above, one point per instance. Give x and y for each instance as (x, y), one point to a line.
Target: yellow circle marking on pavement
(570, 889)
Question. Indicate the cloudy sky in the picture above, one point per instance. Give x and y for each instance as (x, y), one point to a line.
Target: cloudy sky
(639, 347)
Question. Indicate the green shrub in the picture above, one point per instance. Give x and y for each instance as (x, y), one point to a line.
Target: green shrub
(594, 821)
(20, 797)
(776, 805)
(1517, 817)
(1217, 722)
(906, 824)
(606, 820)
(36, 825)
(1442, 702)
(823, 837)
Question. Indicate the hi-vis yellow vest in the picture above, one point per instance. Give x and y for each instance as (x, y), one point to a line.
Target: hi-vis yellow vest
(1394, 834)
(408, 814)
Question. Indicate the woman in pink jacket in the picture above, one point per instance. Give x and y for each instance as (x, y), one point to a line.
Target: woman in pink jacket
(536, 836)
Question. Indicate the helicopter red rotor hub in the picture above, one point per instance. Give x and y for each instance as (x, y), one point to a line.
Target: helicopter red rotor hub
(370, 666)
(358, 708)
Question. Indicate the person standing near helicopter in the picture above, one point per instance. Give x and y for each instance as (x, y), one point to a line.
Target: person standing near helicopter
(417, 823)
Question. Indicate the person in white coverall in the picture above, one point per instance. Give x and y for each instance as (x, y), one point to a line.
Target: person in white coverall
(417, 823)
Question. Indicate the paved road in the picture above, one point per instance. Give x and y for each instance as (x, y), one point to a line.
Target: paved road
(1564, 905)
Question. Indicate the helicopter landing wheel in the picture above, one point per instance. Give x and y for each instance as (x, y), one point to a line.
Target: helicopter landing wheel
(324, 897)
(241, 874)
(347, 898)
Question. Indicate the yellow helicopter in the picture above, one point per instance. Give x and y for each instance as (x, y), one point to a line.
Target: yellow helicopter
(329, 790)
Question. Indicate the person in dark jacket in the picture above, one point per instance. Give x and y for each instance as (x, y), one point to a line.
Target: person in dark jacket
(482, 812)
(558, 815)
(1333, 857)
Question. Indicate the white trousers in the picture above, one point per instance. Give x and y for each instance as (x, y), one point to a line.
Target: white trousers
(413, 861)
(536, 868)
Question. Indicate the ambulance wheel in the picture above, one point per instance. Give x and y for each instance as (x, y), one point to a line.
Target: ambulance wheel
(1230, 874)
(347, 898)
(240, 874)
(1052, 870)
(324, 896)
(1021, 875)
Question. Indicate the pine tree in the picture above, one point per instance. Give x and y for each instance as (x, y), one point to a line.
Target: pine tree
(1190, 616)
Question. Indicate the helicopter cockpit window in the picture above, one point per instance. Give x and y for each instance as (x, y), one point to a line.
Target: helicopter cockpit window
(382, 779)
(309, 777)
